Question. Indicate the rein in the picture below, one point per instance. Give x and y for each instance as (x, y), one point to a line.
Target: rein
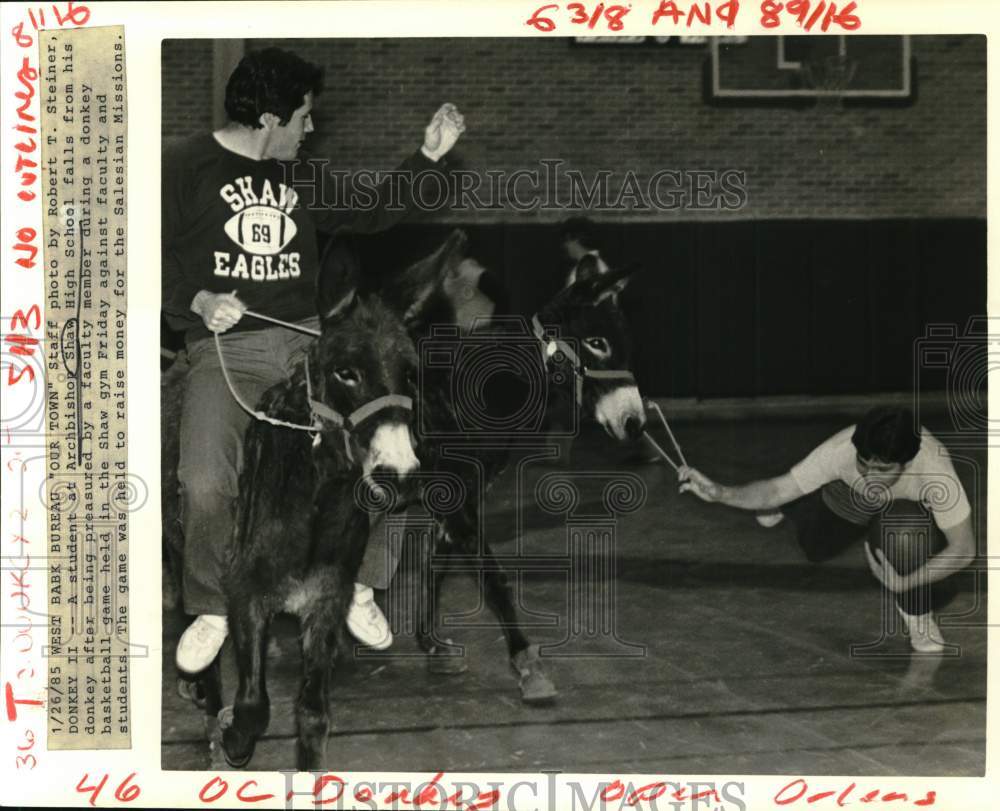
(319, 412)
(286, 324)
(580, 371)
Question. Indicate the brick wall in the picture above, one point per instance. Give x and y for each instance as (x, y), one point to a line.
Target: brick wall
(187, 87)
(639, 109)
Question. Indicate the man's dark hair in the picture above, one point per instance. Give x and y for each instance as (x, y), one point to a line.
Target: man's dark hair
(887, 433)
(270, 81)
(580, 229)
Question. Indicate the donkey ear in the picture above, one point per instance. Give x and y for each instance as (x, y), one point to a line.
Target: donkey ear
(612, 283)
(340, 270)
(588, 268)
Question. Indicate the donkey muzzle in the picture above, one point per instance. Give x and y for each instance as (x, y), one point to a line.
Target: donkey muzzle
(390, 452)
(634, 426)
(620, 412)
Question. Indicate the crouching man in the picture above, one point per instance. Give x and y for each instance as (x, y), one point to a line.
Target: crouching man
(879, 480)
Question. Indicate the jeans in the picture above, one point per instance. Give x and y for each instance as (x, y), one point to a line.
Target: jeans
(211, 455)
(904, 531)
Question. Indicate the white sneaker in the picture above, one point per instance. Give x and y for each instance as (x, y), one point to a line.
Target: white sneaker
(770, 519)
(201, 642)
(925, 636)
(364, 620)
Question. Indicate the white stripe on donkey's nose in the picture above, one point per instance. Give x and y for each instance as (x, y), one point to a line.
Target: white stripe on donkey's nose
(614, 409)
(392, 447)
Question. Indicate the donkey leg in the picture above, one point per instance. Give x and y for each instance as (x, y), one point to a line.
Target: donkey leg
(498, 598)
(444, 657)
(461, 530)
(312, 710)
(248, 624)
(535, 684)
(210, 686)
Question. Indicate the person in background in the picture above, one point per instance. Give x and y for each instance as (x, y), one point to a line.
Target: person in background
(882, 480)
(579, 243)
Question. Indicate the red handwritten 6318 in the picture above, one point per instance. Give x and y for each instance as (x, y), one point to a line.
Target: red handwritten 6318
(610, 17)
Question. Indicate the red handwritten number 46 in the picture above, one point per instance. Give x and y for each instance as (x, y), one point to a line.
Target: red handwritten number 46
(124, 793)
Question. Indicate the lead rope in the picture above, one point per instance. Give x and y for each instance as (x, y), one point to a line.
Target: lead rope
(318, 410)
(673, 439)
(552, 345)
(260, 415)
(287, 324)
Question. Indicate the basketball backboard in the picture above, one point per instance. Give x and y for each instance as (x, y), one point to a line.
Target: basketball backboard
(876, 69)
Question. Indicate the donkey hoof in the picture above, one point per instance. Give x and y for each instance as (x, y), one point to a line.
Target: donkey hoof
(446, 659)
(191, 690)
(536, 686)
(213, 732)
(236, 747)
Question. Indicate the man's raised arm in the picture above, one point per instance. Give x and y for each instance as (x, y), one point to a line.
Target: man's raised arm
(365, 207)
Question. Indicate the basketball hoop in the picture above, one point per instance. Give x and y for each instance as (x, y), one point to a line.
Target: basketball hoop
(830, 76)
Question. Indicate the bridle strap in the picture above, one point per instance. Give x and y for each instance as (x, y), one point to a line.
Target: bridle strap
(559, 344)
(319, 411)
(580, 370)
(322, 411)
(362, 413)
(318, 408)
(609, 374)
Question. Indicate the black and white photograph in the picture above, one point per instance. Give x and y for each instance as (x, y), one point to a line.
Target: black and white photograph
(576, 404)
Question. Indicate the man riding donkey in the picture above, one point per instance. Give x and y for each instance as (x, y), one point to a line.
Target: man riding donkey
(236, 237)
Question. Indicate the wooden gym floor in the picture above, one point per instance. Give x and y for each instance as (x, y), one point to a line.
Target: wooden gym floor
(745, 662)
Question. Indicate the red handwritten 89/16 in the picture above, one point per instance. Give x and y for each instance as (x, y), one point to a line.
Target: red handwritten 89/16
(612, 16)
(807, 14)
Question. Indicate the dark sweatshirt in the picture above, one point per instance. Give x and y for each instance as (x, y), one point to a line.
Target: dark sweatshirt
(231, 223)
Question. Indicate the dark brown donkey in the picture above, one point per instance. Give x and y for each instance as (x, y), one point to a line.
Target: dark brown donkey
(301, 525)
(579, 338)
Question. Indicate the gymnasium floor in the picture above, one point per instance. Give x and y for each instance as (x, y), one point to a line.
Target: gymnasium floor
(747, 665)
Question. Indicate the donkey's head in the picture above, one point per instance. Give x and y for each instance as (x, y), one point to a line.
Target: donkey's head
(363, 368)
(361, 373)
(588, 312)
